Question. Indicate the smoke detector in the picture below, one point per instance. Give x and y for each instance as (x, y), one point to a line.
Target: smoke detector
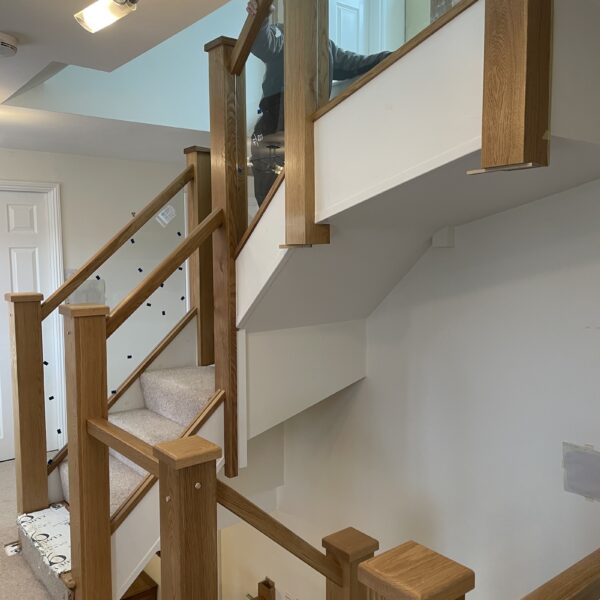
(8, 45)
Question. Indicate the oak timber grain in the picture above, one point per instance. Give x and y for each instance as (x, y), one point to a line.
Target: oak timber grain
(29, 407)
(135, 298)
(243, 46)
(229, 193)
(516, 83)
(125, 234)
(140, 492)
(579, 582)
(188, 526)
(277, 532)
(394, 57)
(143, 588)
(187, 452)
(413, 572)
(261, 211)
(89, 486)
(200, 275)
(349, 548)
(125, 443)
(303, 38)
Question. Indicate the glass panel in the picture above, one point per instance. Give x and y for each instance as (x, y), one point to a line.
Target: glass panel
(264, 94)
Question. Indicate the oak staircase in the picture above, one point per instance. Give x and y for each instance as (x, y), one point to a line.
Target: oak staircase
(154, 470)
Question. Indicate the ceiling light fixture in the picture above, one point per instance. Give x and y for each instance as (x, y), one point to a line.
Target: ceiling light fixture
(8, 45)
(103, 13)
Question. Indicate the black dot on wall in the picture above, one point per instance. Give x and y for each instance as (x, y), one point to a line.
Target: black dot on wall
(98, 277)
(129, 357)
(179, 233)
(113, 392)
(132, 241)
(148, 304)
(180, 268)
(59, 431)
(164, 312)
(182, 298)
(45, 363)
(51, 398)
(162, 285)
(50, 462)
(140, 269)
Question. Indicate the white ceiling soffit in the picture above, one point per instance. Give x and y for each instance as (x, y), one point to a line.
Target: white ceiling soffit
(48, 33)
(38, 130)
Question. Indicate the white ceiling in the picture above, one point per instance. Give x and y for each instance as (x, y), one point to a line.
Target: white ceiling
(27, 129)
(49, 35)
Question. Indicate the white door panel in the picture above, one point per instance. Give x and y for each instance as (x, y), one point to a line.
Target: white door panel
(29, 237)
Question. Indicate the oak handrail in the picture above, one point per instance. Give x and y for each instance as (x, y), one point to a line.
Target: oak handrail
(60, 456)
(140, 219)
(244, 44)
(151, 283)
(144, 487)
(279, 533)
(127, 444)
(394, 57)
(579, 582)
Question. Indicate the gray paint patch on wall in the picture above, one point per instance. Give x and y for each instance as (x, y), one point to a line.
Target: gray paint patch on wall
(581, 470)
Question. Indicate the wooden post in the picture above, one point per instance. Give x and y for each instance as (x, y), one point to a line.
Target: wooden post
(349, 548)
(29, 412)
(516, 95)
(229, 192)
(306, 88)
(199, 206)
(413, 572)
(89, 486)
(188, 519)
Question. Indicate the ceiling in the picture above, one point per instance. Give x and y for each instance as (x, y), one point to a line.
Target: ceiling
(50, 38)
(38, 130)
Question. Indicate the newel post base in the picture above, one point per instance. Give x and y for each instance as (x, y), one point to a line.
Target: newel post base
(349, 548)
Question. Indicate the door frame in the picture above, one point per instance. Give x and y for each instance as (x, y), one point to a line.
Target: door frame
(52, 194)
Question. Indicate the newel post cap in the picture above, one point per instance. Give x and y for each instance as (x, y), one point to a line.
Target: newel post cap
(187, 452)
(17, 297)
(84, 310)
(351, 545)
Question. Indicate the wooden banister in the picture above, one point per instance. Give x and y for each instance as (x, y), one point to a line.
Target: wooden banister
(135, 375)
(413, 572)
(140, 492)
(140, 219)
(135, 299)
(124, 443)
(279, 533)
(244, 44)
(579, 582)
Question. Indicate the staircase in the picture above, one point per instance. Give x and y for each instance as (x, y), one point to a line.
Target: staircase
(138, 480)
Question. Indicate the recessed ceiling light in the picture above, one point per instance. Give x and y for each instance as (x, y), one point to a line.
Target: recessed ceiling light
(8, 45)
(103, 13)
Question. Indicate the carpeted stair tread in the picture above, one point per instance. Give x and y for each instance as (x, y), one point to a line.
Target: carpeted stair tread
(178, 394)
(148, 426)
(123, 481)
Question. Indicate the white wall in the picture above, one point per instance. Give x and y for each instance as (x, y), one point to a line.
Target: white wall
(97, 198)
(481, 362)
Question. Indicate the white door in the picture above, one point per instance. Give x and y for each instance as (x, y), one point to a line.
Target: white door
(347, 25)
(30, 261)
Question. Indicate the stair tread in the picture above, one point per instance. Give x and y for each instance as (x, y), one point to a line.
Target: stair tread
(147, 425)
(178, 394)
(123, 481)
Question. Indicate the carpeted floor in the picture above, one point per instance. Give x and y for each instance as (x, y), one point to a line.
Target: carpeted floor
(16, 579)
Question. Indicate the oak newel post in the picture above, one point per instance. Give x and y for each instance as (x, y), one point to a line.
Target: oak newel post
(89, 487)
(199, 206)
(349, 548)
(28, 401)
(188, 518)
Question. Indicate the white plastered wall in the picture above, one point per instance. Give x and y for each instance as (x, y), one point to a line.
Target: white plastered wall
(481, 362)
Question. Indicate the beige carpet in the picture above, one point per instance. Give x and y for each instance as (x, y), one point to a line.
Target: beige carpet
(16, 579)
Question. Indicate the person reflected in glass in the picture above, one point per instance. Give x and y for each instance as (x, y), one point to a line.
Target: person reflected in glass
(267, 138)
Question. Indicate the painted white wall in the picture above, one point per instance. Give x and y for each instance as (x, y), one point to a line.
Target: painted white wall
(481, 362)
(168, 85)
(97, 198)
(289, 370)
